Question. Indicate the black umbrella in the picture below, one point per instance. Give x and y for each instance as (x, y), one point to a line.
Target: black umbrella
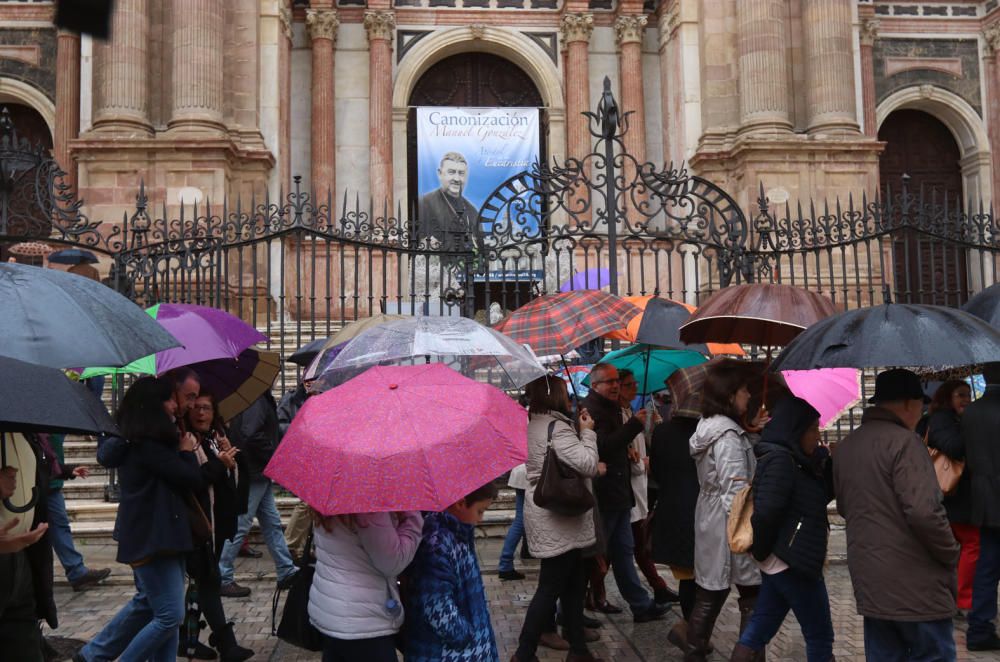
(660, 326)
(73, 256)
(61, 320)
(34, 398)
(986, 305)
(304, 355)
(893, 335)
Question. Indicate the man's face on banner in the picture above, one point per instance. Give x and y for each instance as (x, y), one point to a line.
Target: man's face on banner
(453, 175)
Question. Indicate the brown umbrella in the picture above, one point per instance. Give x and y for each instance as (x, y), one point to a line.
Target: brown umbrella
(765, 314)
(30, 249)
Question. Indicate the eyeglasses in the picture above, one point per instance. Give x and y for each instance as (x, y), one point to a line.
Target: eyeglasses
(201, 407)
(607, 381)
(630, 384)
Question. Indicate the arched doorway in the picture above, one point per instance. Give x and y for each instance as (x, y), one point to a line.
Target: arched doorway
(922, 151)
(471, 80)
(22, 220)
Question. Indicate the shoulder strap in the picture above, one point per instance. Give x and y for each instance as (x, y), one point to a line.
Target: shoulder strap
(548, 439)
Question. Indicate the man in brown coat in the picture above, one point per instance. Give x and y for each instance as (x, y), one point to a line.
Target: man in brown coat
(901, 552)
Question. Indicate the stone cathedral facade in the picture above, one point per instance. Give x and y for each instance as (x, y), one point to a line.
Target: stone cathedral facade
(206, 99)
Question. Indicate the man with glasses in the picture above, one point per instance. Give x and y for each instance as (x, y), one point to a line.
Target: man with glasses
(614, 490)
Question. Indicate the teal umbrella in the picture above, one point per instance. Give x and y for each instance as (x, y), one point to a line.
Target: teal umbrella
(650, 366)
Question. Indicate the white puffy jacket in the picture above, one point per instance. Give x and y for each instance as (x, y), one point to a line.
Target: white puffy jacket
(356, 570)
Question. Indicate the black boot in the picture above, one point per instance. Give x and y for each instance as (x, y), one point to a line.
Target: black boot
(744, 654)
(707, 605)
(197, 652)
(224, 641)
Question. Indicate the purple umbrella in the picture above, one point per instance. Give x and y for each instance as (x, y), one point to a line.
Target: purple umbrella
(591, 279)
(205, 333)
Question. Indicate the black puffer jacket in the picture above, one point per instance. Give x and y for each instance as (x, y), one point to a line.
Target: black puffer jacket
(791, 491)
(673, 468)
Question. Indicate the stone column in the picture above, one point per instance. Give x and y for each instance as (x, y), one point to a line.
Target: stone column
(576, 30)
(121, 95)
(285, 83)
(197, 66)
(991, 37)
(380, 26)
(671, 124)
(323, 32)
(629, 31)
(763, 72)
(828, 47)
(869, 30)
(67, 102)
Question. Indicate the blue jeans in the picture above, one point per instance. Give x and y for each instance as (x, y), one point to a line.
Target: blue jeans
(808, 600)
(514, 534)
(984, 587)
(905, 641)
(621, 547)
(146, 628)
(262, 505)
(62, 538)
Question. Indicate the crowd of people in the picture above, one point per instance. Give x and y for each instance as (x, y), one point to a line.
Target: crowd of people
(665, 482)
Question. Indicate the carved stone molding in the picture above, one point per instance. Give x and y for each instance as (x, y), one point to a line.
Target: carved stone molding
(477, 30)
(322, 24)
(380, 24)
(991, 35)
(669, 22)
(629, 29)
(285, 16)
(577, 27)
(869, 31)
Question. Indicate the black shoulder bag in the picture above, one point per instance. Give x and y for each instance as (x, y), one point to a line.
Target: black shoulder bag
(561, 489)
(295, 626)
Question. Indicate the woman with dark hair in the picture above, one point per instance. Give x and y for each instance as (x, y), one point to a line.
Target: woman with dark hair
(158, 475)
(791, 488)
(558, 540)
(942, 429)
(724, 457)
(223, 498)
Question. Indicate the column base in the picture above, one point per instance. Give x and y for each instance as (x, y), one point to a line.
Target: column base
(839, 127)
(195, 127)
(130, 126)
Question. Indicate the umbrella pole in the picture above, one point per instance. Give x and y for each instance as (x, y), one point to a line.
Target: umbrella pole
(513, 383)
(570, 377)
(645, 376)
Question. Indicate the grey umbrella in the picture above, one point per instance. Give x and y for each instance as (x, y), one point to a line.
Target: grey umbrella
(893, 335)
(61, 320)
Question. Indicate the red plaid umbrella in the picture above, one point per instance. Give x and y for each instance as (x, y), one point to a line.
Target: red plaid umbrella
(558, 323)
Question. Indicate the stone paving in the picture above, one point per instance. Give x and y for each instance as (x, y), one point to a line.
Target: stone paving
(84, 613)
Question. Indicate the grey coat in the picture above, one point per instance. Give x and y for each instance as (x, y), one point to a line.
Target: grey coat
(724, 457)
(550, 534)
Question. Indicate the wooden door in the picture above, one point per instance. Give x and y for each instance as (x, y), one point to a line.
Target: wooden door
(921, 148)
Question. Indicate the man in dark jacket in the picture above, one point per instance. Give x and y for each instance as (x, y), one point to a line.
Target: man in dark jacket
(900, 549)
(255, 433)
(614, 490)
(980, 429)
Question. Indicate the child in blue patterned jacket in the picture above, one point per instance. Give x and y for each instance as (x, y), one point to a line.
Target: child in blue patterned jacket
(447, 616)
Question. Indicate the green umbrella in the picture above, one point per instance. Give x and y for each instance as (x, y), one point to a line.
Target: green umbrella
(650, 366)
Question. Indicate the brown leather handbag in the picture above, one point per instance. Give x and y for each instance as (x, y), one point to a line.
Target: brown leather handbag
(947, 470)
(559, 488)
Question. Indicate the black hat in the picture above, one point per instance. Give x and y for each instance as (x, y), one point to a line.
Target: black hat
(898, 384)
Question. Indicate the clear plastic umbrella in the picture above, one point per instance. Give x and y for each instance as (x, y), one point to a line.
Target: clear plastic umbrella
(464, 345)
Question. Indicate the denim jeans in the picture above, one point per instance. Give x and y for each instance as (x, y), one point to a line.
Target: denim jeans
(807, 598)
(621, 553)
(904, 641)
(62, 538)
(984, 587)
(262, 505)
(147, 627)
(514, 534)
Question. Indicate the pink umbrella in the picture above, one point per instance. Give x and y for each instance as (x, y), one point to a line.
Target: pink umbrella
(832, 391)
(399, 438)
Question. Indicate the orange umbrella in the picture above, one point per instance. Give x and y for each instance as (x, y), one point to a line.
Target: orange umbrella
(628, 334)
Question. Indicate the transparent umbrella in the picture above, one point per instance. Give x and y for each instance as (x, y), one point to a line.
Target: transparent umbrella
(464, 345)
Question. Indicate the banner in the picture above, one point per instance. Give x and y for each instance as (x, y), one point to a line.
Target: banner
(463, 155)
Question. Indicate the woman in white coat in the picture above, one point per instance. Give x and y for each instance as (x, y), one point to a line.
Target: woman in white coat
(725, 461)
(354, 600)
(557, 540)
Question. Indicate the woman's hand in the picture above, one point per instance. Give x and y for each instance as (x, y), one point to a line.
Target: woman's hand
(81, 472)
(759, 421)
(602, 468)
(223, 441)
(228, 457)
(586, 422)
(188, 442)
(8, 482)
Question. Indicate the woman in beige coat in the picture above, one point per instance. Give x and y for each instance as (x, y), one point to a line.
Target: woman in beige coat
(557, 540)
